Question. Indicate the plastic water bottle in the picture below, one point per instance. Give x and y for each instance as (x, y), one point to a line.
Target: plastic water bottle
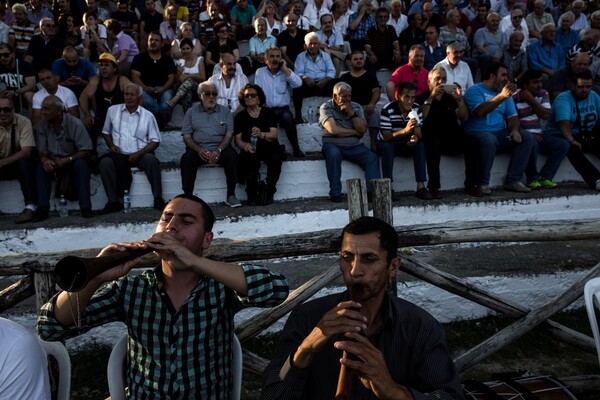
(311, 115)
(126, 202)
(253, 141)
(62, 207)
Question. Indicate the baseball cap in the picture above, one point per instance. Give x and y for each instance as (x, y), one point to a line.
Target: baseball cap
(107, 57)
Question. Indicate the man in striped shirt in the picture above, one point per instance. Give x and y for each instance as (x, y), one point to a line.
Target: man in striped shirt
(396, 348)
(179, 316)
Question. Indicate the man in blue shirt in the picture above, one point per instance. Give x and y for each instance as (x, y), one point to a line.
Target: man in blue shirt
(493, 126)
(546, 55)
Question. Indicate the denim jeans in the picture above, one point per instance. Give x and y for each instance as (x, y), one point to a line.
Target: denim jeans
(555, 148)
(389, 150)
(359, 154)
(156, 104)
(487, 144)
(81, 174)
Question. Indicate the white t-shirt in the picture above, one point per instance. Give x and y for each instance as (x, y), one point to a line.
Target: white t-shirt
(65, 94)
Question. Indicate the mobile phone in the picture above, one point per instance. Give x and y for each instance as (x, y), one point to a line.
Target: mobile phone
(449, 88)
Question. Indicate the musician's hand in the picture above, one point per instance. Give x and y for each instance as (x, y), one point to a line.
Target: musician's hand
(123, 269)
(170, 249)
(339, 320)
(371, 368)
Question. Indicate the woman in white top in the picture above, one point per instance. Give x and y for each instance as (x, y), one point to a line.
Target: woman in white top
(185, 31)
(93, 36)
(268, 13)
(190, 72)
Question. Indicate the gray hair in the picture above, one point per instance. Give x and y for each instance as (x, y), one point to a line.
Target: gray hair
(493, 14)
(568, 14)
(436, 69)
(55, 102)
(516, 33)
(43, 20)
(454, 46)
(338, 87)
(450, 12)
(137, 87)
(579, 2)
(310, 36)
(548, 25)
(204, 85)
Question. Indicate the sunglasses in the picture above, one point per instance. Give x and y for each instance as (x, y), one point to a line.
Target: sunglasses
(6, 109)
(49, 25)
(4, 55)
(250, 95)
(209, 94)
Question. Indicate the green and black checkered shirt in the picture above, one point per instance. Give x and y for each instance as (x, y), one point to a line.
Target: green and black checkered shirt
(173, 355)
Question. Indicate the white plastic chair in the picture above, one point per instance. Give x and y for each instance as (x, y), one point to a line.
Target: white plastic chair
(60, 353)
(116, 377)
(591, 294)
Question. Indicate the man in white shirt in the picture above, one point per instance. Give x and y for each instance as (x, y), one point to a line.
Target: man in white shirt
(457, 71)
(277, 81)
(131, 134)
(229, 83)
(50, 85)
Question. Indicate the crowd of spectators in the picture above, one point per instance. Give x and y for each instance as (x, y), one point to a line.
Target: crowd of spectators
(493, 71)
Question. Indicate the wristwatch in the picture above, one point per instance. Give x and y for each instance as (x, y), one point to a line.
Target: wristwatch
(427, 103)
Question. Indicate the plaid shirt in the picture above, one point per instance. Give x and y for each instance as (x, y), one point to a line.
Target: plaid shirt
(183, 354)
(367, 22)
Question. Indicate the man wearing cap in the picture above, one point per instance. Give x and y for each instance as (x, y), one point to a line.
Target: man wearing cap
(103, 91)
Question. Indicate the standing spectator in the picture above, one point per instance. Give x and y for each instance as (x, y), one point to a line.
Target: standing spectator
(259, 44)
(413, 72)
(257, 121)
(316, 70)
(156, 74)
(21, 31)
(566, 37)
(207, 133)
(131, 134)
(64, 148)
(513, 56)
(332, 42)
(73, 71)
(18, 80)
(343, 126)
(493, 125)
(443, 115)
(574, 117)
(242, 15)
(488, 41)
(50, 87)
(229, 82)
(121, 46)
(190, 72)
(400, 134)
(435, 51)
(16, 155)
(93, 36)
(537, 19)
(457, 71)
(277, 81)
(533, 105)
(44, 48)
(546, 55)
(291, 40)
(359, 24)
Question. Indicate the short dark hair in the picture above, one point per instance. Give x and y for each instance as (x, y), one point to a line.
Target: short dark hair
(493, 70)
(388, 238)
(406, 85)
(207, 213)
(262, 99)
(187, 41)
(530, 75)
(585, 75)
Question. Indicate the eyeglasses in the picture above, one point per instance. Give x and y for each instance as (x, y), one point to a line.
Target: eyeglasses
(209, 94)
(6, 109)
(250, 95)
(224, 30)
(4, 55)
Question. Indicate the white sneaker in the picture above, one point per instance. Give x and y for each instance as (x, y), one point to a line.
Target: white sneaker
(485, 189)
(598, 185)
(233, 202)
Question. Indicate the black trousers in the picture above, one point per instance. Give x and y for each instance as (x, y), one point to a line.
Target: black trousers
(190, 161)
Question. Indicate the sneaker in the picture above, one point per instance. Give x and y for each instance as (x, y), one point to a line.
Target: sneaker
(233, 202)
(547, 183)
(25, 216)
(41, 214)
(485, 189)
(423, 194)
(516, 187)
(534, 185)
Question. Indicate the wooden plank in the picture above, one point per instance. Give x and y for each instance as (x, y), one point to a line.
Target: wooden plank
(17, 292)
(358, 205)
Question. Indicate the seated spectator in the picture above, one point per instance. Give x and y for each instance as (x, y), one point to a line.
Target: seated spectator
(255, 130)
(64, 7)
(242, 15)
(564, 78)
(64, 148)
(340, 17)
(156, 74)
(513, 56)
(131, 134)
(44, 48)
(400, 134)
(546, 55)
(21, 31)
(272, 19)
(93, 36)
(316, 69)
(451, 33)
(19, 83)
(537, 19)
(479, 22)
(429, 16)
(16, 155)
(594, 23)
(443, 114)
(366, 92)
(412, 35)
(229, 82)
(413, 71)
(504, 7)
(516, 24)
(190, 72)
(102, 14)
(332, 43)
(36, 10)
(313, 11)
(68, 31)
(121, 46)
(150, 21)
(24, 372)
(259, 44)
(127, 18)
(291, 40)
(170, 28)
(222, 44)
(493, 125)
(207, 30)
(488, 41)
(470, 10)
(207, 133)
(277, 82)
(73, 71)
(186, 32)
(343, 126)
(533, 105)
(574, 118)
(50, 86)
(297, 8)
(457, 71)
(435, 51)
(579, 19)
(359, 24)
(380, 40)
(397, 19)
(566, 37)
(589, 44)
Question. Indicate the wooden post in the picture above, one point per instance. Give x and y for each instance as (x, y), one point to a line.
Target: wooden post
(44, 288)
(382, 209)
(358, 204)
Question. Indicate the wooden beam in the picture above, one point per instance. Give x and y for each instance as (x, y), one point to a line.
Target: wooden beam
(17, 292)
